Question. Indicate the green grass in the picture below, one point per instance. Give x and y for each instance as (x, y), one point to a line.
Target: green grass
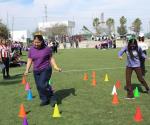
(89, 106)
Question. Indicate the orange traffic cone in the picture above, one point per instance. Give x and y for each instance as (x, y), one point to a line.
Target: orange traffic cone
(22, 112)
(23, 80)
(94, 82)
(115, 99)
(138, 115)
(118, 84)
(85, 77)
(93, 74)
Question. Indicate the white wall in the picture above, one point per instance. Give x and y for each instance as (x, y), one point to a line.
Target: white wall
(21, 35)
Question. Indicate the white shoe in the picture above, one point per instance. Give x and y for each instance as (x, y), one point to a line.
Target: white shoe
(129, 98)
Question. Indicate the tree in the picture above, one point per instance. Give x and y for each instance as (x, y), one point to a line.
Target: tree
(96, 23)
(123, 20)
(58, 30)
(122, 29)
(110, 24)
(4, 31)
(37, 32)
(137, 25)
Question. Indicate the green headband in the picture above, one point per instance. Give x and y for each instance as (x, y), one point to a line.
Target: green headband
(131, 37)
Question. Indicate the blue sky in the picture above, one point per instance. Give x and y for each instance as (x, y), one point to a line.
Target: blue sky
(27, 13)
(24, 2)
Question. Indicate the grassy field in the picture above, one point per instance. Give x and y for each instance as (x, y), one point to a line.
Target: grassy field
(79, 102)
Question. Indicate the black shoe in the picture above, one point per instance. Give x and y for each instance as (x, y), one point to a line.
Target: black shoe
(53, 101)
(130, 95)
(44, 103)
(148, 91)
(8, 76)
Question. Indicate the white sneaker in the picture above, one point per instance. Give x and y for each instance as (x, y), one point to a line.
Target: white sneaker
(129, 98)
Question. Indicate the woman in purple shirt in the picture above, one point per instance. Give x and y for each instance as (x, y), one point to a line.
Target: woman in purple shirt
(41, 57)
(134, 53)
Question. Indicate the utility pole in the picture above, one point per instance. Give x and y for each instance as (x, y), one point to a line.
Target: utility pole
(7, 20)
(102, 18)
(45, 7)
(12, 28)
(149, 27)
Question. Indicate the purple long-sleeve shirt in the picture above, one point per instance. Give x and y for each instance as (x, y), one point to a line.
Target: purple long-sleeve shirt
(40, 57)
(135, 62)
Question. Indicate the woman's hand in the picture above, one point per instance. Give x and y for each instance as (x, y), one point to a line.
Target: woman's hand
(120, 57)
(53, 63)
(57, 68)
(26, 72)
(29, 62)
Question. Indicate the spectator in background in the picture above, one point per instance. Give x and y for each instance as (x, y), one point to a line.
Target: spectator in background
(20, 47)
(5, 51)
(56, 47)
(114, 43)
(77, 43)
(144, 48)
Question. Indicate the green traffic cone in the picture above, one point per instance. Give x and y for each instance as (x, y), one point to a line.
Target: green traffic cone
(50, 82)
(136, 92)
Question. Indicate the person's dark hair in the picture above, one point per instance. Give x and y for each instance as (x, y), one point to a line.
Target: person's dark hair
(40, 38)
(133, 45)
(141, 39)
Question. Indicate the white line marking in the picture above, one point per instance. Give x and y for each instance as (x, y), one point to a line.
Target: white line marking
(98, 69)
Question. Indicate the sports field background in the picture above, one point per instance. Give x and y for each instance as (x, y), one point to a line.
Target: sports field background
(79, 102)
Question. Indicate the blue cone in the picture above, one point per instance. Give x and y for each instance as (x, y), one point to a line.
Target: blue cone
(29, 97)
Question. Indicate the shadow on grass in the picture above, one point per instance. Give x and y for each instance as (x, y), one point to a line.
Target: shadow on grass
(139, 86)
(13, 80)
(61, 94)
(27, 112)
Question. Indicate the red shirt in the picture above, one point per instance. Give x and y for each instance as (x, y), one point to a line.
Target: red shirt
(5, 51)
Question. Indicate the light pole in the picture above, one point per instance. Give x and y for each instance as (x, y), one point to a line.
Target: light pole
(12, 28)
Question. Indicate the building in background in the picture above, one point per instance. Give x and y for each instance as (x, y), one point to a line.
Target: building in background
(69, 24)
(20, 35)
